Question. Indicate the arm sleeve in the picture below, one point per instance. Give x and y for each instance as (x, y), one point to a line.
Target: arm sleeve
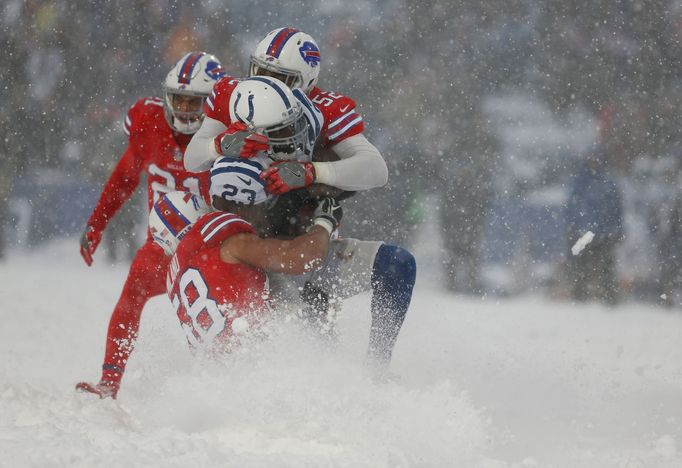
(201, 152)
(121, 184)
(361, 166)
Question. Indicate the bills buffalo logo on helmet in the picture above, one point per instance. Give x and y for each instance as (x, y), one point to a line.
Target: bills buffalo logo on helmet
(310, 53)
(215, 70)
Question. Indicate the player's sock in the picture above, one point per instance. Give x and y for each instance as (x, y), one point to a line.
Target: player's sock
(393, 276)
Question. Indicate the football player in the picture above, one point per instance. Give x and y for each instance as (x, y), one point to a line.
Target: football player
(158, 132)
(293, 57)
(352, 266)
(217, 280)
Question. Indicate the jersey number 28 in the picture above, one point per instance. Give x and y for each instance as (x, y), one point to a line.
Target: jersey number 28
(207, 321)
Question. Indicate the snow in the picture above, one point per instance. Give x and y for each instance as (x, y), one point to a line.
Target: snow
(581, 243)
(521, 382)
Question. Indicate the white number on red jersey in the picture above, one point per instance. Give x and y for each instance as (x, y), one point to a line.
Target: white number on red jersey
(207, 320)
(167, 184)
(325, 99)
(154, 102)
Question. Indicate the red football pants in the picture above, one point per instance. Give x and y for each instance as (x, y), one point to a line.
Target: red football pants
(146, 278)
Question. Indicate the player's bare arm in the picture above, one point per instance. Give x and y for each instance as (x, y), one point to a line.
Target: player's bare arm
(296, 256)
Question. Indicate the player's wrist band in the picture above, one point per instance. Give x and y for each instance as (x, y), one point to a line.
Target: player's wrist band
(322, 173)
(217, 145)
(325, 223)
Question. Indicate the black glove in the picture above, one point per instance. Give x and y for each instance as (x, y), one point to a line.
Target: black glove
(328, 214)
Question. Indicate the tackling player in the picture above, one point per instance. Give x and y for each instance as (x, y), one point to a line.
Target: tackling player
(218, 272)
(158, 132)
(293, 57)
(352, 265)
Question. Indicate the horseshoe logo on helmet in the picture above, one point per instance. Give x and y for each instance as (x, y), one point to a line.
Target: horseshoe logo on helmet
(251, 109)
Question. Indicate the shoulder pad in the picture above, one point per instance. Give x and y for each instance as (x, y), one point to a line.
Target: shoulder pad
(341, 120)
(219, 225)
(217, 105)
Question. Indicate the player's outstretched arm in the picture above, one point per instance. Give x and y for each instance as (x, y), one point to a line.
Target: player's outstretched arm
(118, 189)
(361, 166)
(296, 256)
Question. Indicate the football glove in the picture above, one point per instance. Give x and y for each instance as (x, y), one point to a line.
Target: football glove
(328, 214)
(229, 138)
(89, 241)
(283, 176)
(254, 144)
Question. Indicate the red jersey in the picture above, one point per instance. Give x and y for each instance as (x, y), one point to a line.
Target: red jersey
(209, 294)
(341, 121)
(340, 117)
(154, 148)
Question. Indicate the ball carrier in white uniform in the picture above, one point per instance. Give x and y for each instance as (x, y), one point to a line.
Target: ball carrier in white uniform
(353, 265)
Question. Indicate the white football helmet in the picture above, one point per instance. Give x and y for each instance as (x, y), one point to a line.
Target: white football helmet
(186, 87)
(287, 117)
(289, 55)
(172, 216)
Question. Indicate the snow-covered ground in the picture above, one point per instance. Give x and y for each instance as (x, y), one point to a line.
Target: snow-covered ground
(521, 382)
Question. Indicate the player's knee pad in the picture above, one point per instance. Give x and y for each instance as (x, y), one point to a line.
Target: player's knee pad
(393, 276)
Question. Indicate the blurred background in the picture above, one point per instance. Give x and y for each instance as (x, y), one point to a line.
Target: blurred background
(511, 127)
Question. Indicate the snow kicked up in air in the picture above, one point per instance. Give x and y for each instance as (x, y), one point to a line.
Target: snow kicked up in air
(493, 383)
